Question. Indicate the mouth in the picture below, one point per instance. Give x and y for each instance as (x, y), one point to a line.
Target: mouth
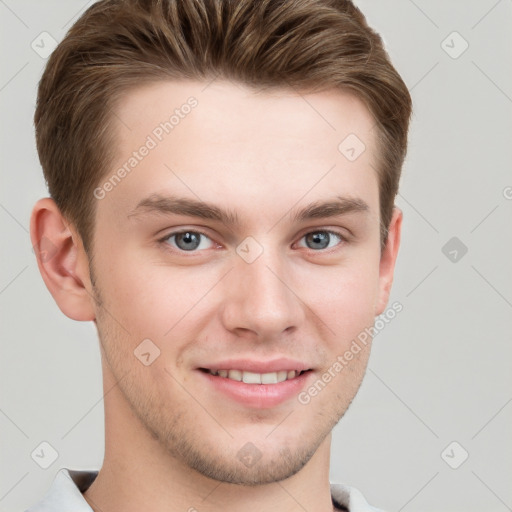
(256, 384)
(248, 377)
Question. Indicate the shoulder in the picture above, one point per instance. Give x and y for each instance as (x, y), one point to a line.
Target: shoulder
(65, 492)
(350, 499)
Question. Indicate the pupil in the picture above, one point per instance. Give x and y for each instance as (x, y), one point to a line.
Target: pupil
(319, 240)
(187, 241)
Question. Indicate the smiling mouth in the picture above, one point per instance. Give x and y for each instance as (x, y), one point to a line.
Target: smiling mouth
(256, 378)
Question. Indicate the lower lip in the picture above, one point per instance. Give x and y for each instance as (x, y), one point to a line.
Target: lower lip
(259, 396)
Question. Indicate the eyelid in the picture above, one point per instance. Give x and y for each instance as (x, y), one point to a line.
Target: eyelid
(344, 234)
(330, 231)
(184, 230)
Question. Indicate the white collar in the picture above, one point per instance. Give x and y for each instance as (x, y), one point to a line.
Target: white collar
(65, 494)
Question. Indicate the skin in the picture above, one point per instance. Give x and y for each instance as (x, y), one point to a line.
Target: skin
(171, 438)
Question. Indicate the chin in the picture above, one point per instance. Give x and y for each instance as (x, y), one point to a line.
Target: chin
(250, 467)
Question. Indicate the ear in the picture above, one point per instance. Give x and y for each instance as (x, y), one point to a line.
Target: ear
(62, 260)
(388, 260)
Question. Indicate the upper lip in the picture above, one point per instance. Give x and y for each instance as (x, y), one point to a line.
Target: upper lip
(255, 366)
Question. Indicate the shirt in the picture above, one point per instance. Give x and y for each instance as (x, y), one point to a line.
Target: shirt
(65, 495)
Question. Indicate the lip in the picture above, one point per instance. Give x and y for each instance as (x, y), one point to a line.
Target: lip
(251, 365)
(257, 396)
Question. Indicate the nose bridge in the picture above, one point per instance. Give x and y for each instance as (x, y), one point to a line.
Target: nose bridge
(259, 297)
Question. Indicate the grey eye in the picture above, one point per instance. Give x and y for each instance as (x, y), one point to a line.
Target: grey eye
(189, 241)
(319, 240)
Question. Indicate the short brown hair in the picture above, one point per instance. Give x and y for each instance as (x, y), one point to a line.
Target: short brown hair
(307, 45)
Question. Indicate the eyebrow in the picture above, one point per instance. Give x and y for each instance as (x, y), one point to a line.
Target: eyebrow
(158, 204)
(155, 203)
(339, 206)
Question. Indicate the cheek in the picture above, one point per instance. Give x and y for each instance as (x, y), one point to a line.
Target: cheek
(149, 299)
(343, 298)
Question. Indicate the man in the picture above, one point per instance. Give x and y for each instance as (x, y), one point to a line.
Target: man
(222, 177)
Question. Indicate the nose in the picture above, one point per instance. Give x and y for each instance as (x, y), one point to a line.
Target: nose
(260, 299)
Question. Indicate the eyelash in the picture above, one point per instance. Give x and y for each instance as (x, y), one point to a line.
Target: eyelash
(164, 240)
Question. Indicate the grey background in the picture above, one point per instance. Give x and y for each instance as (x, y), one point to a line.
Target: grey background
(439, 372)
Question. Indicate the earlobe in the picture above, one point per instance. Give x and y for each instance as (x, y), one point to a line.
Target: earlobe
(388, 260)
(62, 261)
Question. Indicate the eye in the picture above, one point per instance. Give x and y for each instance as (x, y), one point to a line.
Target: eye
(188, 241)
(318, 240)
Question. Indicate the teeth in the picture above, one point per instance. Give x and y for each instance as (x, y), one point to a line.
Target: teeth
(282, 376)
(257, 378)
(251, 378)
(235, 375)
(269, 378)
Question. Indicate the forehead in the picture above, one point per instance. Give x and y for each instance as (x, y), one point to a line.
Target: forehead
(225, 140)
(220, 106)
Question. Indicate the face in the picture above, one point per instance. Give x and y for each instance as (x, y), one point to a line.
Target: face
(234, 260)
